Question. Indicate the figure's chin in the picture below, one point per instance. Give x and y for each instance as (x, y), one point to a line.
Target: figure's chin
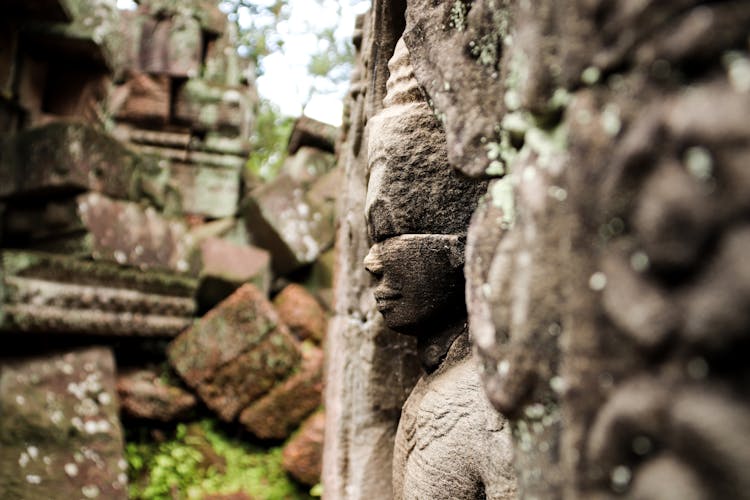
(398, 323)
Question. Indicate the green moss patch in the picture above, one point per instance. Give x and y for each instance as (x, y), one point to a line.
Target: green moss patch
(198, 460)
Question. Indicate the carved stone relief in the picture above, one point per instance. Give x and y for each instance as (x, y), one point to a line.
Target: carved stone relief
(450, 443)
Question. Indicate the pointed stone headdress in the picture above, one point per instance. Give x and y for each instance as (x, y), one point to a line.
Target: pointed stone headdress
(412, 189)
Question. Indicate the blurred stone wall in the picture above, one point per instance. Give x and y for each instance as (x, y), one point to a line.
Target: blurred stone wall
(605, 281)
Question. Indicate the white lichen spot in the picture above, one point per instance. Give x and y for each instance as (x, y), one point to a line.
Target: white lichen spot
(23, 460)
(501, 193)
(20, 400)
(611, 122)
(557, 384)
(87, 408)
(557, 193)
(71, 469)
(77, 423)
(534, 411)
(503, 368)
(639, 262)
(122, 478)
(554, 329)
(182, 265)
(56, 416)
(495, 168)
(699, 162)
(91, 427)
(486, 290)
(33, 479)
(598, 281)
(90, 491)
(33, 452)
(620, 478)
(120, 256)
(104, 398)
(512, 100)
(103, 426)
(737, 66)
(122, 464)
(591, 75)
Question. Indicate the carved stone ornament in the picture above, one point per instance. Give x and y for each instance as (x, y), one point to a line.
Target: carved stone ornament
(450, 442)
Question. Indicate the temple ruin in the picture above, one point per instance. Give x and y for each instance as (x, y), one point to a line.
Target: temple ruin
(515, 271)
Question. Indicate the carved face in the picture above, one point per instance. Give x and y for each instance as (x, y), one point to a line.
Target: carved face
(420, 282)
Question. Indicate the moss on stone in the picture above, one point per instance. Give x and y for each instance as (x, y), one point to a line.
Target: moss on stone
(62, 268)
(199, 460)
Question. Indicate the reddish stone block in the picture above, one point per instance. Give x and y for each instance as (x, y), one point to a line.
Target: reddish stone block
(143, 394)
(304, 452)
(301, 312)
(235, 353)
(278, 413)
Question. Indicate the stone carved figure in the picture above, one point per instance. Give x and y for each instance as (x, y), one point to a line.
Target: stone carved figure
(450, 442)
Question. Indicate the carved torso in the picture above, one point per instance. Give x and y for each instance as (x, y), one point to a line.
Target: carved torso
(450, 444)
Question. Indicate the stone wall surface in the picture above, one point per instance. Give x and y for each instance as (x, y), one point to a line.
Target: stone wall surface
(605, 285)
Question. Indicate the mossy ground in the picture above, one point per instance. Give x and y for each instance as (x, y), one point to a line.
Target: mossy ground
(199, 459)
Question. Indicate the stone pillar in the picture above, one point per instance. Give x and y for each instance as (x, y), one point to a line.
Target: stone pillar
(370, 369)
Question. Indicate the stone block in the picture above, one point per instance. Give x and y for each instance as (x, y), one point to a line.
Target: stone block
(210, 191)
(301, 312)
(235, 353)
(145, 395)
(71, 157)
(111, 230)
(79, 94)
(211, 19)
(207, 106)
(278, 413)
(225, 266)
(171, 45)
(308, 163)
(126, 233)
(303, 454)
(56, 294)
(283, 220)
(310, 132)
(93, 37)
(61, 435)
(143, 98)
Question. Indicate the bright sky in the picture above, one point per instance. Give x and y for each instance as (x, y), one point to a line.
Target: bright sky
(285, 80)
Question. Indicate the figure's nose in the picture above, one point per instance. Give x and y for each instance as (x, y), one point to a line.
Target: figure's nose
(373, 264)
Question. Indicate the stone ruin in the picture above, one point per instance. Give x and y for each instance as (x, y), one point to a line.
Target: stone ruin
(598, 147)
(132, 239)
(605, 284)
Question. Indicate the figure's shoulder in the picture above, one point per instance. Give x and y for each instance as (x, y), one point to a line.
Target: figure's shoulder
(455, 397)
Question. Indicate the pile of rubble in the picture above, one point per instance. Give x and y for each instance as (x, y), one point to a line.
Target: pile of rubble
(131, 237)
